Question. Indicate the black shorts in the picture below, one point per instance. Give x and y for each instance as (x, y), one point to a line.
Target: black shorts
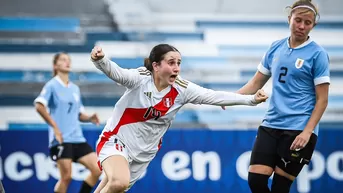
(72, 151)
(271, 148)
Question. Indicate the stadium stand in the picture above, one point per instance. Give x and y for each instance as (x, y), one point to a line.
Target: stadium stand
(221, 41)
(220, 51)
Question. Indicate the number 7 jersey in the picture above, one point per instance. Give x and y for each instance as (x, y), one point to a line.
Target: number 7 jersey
(65, 105)
(295, 73)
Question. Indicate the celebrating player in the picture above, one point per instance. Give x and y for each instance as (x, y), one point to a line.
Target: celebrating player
(155, 93)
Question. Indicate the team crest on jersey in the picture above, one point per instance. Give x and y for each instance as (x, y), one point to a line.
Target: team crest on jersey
(299, 63)
(167, 102)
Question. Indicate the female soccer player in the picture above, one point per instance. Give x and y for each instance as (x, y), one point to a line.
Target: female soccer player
(66, 141)
(155, 93)
(299, 69)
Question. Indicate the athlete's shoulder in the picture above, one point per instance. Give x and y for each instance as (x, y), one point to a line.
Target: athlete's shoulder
(141, 75)
(52, 82)
(275, 45)
(181, 83)
(314, 46)
(278, 43)
(143, 71)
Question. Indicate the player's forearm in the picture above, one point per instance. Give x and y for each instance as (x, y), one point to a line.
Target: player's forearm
(317, 114)
(250, 88)
(84, 118)
(222, 98)
(256, 83)
(45, 115)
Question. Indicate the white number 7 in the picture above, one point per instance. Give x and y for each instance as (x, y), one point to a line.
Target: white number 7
(60, 150)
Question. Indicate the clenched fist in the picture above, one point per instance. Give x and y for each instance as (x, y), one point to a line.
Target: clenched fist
(260, 96)
(97, 53)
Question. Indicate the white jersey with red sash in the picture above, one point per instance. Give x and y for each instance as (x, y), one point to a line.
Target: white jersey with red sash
(143, 114)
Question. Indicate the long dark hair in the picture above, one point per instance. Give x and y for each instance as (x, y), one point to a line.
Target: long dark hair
(157, 55)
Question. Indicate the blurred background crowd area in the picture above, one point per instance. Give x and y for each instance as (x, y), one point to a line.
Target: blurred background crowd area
(221, 43)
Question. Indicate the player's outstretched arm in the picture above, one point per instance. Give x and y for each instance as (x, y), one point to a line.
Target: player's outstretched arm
(125, 77)
(254, 84)
(198, 95)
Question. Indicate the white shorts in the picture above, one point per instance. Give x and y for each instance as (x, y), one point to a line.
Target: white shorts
(113, 146)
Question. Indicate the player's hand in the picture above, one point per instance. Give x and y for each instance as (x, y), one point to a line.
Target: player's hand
(95, 119)
(260, 96)
(58, 136)
(301, 140)
(97, 53)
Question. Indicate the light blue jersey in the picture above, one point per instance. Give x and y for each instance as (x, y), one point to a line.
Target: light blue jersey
(65, 105)
(295, 72)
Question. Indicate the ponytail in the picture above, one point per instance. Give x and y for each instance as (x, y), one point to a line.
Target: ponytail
(148, 64)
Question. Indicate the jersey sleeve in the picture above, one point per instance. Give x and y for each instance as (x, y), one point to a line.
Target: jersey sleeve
(126, 77)
(265, 65)
(44, 95)
(321, 70)
(199, 95)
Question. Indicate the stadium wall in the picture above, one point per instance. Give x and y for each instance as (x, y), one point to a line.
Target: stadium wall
(217, 163)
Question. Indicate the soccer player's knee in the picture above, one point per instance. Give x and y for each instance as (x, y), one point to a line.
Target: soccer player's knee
(96, 173)
(66, 178)
(258, 182)
(116, 185)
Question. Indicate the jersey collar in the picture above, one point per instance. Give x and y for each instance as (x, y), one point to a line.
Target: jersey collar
(61, 82)
(307, 42)
(164, 91)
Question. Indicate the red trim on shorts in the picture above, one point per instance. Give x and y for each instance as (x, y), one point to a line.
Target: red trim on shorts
(102, 142)
(100, 145)
(160, 144)
(99, 165)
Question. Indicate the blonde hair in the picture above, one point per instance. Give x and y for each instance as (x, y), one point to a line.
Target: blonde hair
(305, 4)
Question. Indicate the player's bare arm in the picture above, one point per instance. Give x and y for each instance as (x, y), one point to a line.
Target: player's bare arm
(41, 109)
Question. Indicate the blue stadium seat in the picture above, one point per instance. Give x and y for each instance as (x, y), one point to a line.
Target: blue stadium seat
(206, 24)
(187, 116)
(187, 62)
(41, 24)
(259, 51)
(164, 36)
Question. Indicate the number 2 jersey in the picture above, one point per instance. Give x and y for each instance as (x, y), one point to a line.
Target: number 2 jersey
(295, 73)
(143, 114)
(64, 103)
